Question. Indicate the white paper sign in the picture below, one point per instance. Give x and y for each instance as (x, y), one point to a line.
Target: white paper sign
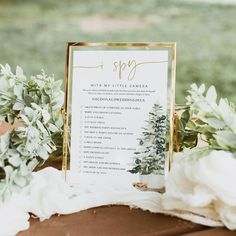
(119, 109)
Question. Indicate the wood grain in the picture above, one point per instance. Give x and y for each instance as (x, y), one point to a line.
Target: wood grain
(111, 220)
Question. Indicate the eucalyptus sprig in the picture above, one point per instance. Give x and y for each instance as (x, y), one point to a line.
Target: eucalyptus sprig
(35, 103)
(205, 118)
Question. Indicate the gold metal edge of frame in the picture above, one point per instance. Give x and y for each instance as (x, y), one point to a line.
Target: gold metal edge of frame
(133, 44)
(171, 45)
(65, 114)
(173, 81)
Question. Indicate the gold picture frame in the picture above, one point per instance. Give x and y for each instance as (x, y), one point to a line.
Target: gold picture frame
(169, 46)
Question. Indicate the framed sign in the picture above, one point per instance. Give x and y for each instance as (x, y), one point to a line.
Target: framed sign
(119, 111)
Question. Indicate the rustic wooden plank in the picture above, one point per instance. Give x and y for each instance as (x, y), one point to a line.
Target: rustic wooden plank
(111, 220)
(213, 232)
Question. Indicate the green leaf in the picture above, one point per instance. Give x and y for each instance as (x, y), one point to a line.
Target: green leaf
(18, 106)
(25, 119)
(20, 181)
(211, 95)
(30, 113)
(191, 125)
(15, 160)
(227, 113)
(35, 106)
(18, 90)
(19, 71)
(4, 143)
(28, 100)
(182, 124)
(185, 115)
(23, 169)
(201, 89)
(42, 152)
(53, 128)
(225, 138)
(22, 150)
(41, 127)
(33, 132)
(10, 118)
(46, 116)
(214, 122)
(190, 141)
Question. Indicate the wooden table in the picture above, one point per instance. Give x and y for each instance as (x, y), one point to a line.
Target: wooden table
(119, 221)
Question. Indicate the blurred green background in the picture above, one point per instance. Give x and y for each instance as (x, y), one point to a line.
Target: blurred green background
(33, 34)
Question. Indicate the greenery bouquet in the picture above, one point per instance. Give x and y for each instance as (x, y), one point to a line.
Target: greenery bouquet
(35, 104)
